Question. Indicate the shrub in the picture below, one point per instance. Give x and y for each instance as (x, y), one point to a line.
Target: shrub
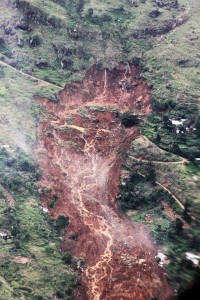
(90, 12)
(73, 236)
(47, 190)
(151, 173)
(80, 5)
(2, 43)
(67, 258)
(53, 201)
(35, 41)
(129, 119)
(62, 222)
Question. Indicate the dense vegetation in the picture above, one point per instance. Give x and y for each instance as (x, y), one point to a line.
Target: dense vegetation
(32, 265)
(153, 180)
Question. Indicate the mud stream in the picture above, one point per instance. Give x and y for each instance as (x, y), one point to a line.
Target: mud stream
(81, 148)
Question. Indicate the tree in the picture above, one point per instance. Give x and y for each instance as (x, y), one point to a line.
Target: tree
(198, 126)
(90, 12)
(62, 222)
(80, 5)
(186, 215)
(129, 119)
(67, 258)
(35, 41)
(2, 43)
(175, 148)
(157, 138)
(151, 173)
(175, 228)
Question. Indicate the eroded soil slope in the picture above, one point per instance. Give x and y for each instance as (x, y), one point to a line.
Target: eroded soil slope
(81, 149)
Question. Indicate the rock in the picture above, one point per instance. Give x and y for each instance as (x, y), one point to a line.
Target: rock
(65, 63)
(194, 38)
(42, 64)
(40, 191)
(66, 51)
(129, 87)
(133, 3)
(20, 42)
(23, 26)
(2, 42)
(45, 210)
(154, 14)
(11, 162)
(157, 259)
(162, 259)
(34, 41)
(186, 63)
(95, 121)
(73, 33)
(193, 257)
(5, 233)
(9, 54)
(8, 31)
(55, 98)
(167, 3)
(160, 29)
(169, 87)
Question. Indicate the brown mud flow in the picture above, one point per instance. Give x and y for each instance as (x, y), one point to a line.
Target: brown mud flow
(81, 149)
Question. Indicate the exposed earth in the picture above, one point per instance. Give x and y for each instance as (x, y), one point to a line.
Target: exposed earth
(99, 179)
(81, 148)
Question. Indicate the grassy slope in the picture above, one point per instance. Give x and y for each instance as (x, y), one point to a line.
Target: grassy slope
(20, 111)
(181, 44)
(95, 44)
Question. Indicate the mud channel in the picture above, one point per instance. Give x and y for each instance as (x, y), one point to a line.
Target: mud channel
(81, 148)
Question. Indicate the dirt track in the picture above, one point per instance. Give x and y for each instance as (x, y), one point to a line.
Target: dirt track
(40, 81)
(81, 149)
